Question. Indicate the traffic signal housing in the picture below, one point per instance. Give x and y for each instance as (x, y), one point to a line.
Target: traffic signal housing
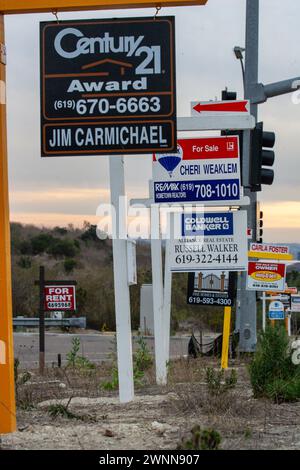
(228, 95)
(259, 226)
(260, 157)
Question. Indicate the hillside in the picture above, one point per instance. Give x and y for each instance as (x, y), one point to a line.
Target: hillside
(68, 253)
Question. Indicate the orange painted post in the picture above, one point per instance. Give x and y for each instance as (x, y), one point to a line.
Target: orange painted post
(39, 6)
(226, 337)
(273, 323)
(7, 385)
(286, 323)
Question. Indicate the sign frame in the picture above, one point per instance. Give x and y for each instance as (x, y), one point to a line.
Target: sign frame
(269, 251)
(49, 285)
(124, 103)
(272, 268)
(204, 170)
(13, 7)
(276, 312)
(225, 250)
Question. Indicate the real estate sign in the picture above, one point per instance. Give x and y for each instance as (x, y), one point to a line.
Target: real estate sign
(108, 86)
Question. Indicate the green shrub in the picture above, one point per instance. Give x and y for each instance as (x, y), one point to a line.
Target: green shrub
(58, 409)
(80, 362)
(142, 357)
(206, 439)
(25, 262)
(64, 247)
(142, 361)
(284, 390)
(69, 265)
(218, 381)
(41, 243)
(272, 372)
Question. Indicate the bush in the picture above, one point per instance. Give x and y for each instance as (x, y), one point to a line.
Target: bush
(75, 360)
(41, 243)
(272, 372)
(69, 265)
(25, 262)
(284, 390)
(206, 439)
(218, 382)
(64, 247)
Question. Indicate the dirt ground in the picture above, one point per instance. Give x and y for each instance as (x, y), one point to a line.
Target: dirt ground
(158, 418)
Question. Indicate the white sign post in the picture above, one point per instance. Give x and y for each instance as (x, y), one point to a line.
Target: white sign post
(121, 285)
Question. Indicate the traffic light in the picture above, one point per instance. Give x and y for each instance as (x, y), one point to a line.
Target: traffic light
(261, 157)
(228, 95)
(259, 226)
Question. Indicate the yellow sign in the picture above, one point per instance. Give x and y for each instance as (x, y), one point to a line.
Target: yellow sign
(266, 276)
(39, 6)
(274, 256)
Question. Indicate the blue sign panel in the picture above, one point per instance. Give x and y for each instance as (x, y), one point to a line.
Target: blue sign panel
(276, 315)
(208, 224)
(191, 191)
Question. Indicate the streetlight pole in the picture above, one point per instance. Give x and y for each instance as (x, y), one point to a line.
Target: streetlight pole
(246, 301)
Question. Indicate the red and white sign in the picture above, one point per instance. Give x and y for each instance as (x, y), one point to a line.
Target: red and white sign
(203, 170)
(60, 298)
(266, 276)
(263, 248)
(220, 107)
(270, 251)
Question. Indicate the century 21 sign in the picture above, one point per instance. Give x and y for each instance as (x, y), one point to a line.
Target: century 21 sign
(108, 86)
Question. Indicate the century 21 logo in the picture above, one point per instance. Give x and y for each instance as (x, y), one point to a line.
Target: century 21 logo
(130, 45)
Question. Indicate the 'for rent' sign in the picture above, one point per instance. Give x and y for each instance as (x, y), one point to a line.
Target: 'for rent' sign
(60, 298)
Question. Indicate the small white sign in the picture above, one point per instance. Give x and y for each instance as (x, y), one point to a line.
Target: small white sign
(235, 107)
(276, 310)
(295, 303)
(209, 241)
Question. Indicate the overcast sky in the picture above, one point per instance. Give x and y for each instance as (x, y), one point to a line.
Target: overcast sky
(63, 190)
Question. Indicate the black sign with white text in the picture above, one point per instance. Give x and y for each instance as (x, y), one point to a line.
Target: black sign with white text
(212, 288)
(108, 86)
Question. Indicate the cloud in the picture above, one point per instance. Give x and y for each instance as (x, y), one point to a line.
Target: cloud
(205, 37)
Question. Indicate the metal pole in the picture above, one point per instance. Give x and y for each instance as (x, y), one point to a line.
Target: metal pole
(122, 298)
(247, 299)
(7, 384)
(158, 298)
(42, 321)
(264, 311)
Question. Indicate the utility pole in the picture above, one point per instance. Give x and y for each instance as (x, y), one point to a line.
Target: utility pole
(246, 300)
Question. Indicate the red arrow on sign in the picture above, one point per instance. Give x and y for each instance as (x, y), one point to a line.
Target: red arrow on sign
(222, 106)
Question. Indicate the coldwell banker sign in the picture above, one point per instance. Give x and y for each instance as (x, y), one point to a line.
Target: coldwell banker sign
(108, 86)
(215, 240)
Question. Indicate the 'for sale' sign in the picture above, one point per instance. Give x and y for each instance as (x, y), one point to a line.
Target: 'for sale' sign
(60, 298)
(264, 276)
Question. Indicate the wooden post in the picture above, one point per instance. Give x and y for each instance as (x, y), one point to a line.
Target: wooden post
(42, 321)
(7, 384)
(226, 336)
